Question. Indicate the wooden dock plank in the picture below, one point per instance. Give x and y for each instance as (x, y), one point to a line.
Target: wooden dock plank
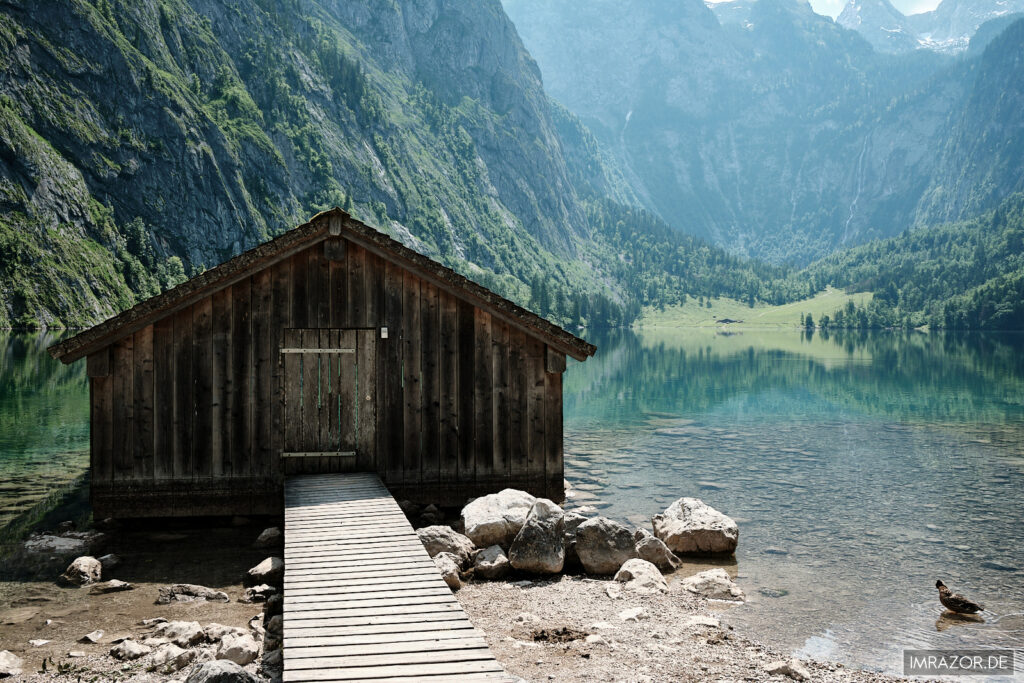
(363, 600)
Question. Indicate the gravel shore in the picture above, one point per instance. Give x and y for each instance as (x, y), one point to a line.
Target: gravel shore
(540, 632)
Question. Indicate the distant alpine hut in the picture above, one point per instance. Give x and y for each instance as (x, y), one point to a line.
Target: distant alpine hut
(331, 348)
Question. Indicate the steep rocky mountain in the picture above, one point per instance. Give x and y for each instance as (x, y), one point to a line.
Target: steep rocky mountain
(950, 26)
(881, 24)
(771, 136)
(141, 140)
(778, 133)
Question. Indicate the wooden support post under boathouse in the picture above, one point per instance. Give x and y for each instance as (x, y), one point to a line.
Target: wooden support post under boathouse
(332, 348)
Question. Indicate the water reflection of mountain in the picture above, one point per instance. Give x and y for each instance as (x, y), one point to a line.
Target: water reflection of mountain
(976, 377)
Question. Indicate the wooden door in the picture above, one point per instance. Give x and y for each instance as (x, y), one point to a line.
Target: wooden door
(329, 386)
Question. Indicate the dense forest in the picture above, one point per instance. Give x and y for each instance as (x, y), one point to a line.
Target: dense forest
(965, 275)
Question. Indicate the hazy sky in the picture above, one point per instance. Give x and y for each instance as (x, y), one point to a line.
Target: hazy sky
(833, 7)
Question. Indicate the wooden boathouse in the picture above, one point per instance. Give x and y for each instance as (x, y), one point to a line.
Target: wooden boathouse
(332, 348)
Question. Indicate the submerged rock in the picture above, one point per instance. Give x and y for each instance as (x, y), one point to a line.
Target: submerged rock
(189, 592)
(641, 576)
(443, 539)
(83, 571)
(714, 584)
(690, 526)
(495, 519)
(603, 545)
(538, 547)
(491, 563)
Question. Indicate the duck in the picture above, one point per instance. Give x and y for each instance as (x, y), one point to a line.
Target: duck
(956, 602)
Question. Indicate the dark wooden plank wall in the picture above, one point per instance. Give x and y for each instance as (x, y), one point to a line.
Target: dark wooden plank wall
(187, 413)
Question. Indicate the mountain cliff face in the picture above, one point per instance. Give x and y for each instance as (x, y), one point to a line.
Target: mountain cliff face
(143, 139)
(950, 26)
(752, 134)
(777, 134)
(880, 23)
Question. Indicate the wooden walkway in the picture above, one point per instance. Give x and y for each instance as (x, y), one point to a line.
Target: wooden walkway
(362, 598)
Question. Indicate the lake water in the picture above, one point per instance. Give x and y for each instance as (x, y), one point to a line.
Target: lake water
(860, 469)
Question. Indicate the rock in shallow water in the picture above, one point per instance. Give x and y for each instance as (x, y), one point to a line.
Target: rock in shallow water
(714, 584)
(603, 545)
(538, 547)
(269, 538)
(691, 527)
(495, 519)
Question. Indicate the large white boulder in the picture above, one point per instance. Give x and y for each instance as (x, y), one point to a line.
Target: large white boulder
(691, 527)
(443, 539)
(83, 571)
(10, 664)
(128, 650)
(603, 545)
(538, 547)
(240, 649)
(495, 519)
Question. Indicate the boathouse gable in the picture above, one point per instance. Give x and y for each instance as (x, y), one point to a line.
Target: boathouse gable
(332, 348)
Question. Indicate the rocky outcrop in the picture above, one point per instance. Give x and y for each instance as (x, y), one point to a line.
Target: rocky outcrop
(495, 519)
(443, 539)
(491, 563)
(640, 576)
(603, 545)
(538, 547)
(691, 527)
(83, 571)
(714, 584)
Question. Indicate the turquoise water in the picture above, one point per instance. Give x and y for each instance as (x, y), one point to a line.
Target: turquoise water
(44, 422)
(860, 469)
